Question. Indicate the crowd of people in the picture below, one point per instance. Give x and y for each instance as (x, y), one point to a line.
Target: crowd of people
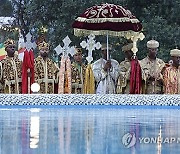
(109, 76)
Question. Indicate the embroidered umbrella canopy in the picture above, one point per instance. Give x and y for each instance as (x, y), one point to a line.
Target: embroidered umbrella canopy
(109, 19)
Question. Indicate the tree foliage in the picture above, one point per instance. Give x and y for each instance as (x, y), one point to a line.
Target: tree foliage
(160, 20)
(5, 8)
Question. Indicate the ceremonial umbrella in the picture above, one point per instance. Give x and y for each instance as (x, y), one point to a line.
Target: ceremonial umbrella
(109, 19)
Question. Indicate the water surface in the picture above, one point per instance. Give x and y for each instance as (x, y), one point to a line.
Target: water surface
(89, 131)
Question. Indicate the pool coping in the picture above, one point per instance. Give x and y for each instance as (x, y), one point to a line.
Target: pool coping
(55, 100)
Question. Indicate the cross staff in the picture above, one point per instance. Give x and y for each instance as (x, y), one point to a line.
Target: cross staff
(90, 45)
(66, 49)
(65, 64)
(29, 45)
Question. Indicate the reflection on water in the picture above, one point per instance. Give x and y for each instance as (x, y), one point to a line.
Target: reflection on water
(89, 131)
(34, 132)
(159, 140)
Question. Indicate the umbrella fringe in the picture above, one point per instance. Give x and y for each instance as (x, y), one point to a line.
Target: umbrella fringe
(102, 20)
(85, 32)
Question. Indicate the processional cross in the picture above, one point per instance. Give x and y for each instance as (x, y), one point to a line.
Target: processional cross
(66, 49)
(90, 45)
(29, 45)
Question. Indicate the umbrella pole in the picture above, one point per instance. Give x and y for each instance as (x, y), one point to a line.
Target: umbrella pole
(107, 41)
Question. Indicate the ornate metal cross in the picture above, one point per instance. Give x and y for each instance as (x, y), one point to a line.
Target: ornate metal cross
(66, 49)
(28, 44)
(90, 45)
(21, 43)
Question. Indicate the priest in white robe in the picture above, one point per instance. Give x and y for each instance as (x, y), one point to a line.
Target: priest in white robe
(106, 73)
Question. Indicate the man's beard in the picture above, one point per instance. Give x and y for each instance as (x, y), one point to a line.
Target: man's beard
(44, 54)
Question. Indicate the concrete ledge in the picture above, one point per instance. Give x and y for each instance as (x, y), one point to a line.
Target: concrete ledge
(88, 99)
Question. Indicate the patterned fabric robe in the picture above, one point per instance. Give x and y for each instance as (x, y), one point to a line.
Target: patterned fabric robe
(10, 77)
(123, 86)
(78, 77)
(172, 80)
(46, 74)
(152, 68)
(106, 81)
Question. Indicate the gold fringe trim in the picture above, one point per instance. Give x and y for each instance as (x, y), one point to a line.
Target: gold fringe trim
(61, 76)
(85, 32)
(65, 76)
(89, 83)
(102, 20)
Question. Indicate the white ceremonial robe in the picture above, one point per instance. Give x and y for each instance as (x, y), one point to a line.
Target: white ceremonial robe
(106, 81)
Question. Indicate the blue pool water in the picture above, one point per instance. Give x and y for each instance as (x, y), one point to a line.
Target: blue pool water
(89, 131)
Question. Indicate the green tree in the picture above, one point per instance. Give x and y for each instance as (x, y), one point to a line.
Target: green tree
(6, 8)
(160, 20)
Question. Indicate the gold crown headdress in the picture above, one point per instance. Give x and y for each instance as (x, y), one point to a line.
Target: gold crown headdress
(78, 50)
(43, 45)
(9, 42)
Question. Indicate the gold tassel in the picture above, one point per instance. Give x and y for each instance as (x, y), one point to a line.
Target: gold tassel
(103, 20)
(85, 32)
(89, 83)
(66, 88)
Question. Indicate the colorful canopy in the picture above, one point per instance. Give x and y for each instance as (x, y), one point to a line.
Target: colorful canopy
(111, 18)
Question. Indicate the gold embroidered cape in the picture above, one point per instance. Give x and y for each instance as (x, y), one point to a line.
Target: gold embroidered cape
(172, 80)
(152, 68)
(123, 85)
(11, 73)
(46, 74)
(78, 77)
